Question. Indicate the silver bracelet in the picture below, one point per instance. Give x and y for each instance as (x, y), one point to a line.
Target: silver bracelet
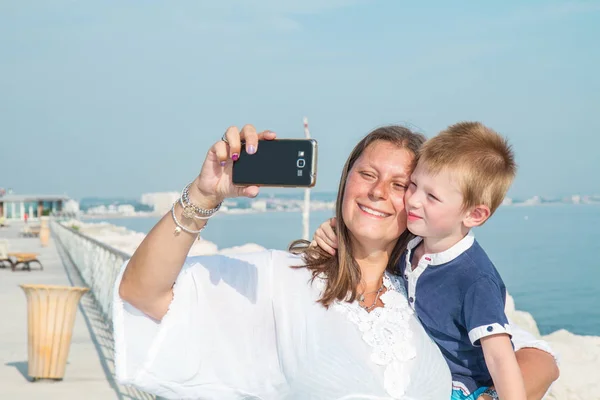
(492, 393)
(188, 211)
(180, 227)
(191, 210)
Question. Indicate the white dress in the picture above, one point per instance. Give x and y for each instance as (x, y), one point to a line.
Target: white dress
(249, 327)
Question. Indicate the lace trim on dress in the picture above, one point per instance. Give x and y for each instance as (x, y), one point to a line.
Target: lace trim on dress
(387, 330)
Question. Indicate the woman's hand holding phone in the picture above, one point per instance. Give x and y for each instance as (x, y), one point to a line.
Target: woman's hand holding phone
(214, 183)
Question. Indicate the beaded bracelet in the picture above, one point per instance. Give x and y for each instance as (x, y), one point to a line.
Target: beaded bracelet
(193, 211)
(180, 227)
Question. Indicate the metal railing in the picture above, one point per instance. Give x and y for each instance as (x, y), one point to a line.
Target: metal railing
(97, 263)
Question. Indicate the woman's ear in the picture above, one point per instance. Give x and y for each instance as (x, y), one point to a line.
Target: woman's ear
(477, 216)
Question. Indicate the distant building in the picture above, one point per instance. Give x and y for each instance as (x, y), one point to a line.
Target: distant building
(259, 205)
(535, 200)
(160, 202)
(14, 206)
(71, 206)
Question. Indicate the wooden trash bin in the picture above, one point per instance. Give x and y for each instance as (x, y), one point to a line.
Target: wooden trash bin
(51, 314)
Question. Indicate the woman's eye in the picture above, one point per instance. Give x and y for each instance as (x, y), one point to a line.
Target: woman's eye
(367, 175)
(400, 186)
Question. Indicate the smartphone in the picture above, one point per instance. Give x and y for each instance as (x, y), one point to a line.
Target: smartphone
(278, 163)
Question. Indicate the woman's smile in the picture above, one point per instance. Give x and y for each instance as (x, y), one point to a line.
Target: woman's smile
(373, 212)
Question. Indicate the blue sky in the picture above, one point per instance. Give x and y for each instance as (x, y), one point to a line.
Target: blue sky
(119, 98)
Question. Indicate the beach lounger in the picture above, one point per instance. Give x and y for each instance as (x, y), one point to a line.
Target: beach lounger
(14, 260)
(30, 231)
(24, 260)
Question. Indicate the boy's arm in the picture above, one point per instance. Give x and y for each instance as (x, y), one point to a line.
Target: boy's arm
(538, 369)
(502, 364)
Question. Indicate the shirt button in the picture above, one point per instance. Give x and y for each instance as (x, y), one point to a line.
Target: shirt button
(406, 276)
(490, 328)
(410, 299)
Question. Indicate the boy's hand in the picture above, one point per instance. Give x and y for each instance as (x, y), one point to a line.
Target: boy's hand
(325, 237)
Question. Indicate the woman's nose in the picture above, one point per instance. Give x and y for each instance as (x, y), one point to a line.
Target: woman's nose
(378, 190)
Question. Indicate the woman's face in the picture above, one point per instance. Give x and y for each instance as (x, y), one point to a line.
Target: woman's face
(373, 204)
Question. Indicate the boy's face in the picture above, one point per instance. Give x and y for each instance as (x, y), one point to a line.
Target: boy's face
(434, 204)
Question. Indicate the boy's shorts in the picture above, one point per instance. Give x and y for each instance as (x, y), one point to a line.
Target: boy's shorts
(458, 394)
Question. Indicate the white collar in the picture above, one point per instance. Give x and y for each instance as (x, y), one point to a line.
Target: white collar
(445, 256)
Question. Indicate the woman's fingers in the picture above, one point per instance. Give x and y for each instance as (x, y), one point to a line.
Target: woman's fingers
(249, 138)
(230, 148)
(329, 233)
(267, 135)
(221, 151)
(252, 139)
(248, 191)
(324, 245)
(235, 144)
(249, 135)
(323, 241)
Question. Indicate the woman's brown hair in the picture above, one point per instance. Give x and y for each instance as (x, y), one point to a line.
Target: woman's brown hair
(342, 271)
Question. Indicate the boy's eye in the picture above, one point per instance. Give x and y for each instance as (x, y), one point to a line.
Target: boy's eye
(432, 197)
(412, 184)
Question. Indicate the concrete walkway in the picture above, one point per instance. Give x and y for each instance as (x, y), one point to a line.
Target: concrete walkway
(89, 372)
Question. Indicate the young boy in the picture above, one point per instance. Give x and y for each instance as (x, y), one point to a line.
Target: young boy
(461, 177)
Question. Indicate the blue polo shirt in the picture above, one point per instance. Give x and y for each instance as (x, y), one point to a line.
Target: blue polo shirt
(459, 297)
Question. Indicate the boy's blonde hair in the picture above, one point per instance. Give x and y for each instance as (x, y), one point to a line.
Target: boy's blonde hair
(481, 160)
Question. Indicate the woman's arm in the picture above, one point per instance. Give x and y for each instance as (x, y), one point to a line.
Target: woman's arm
(539, 370)
(148, 280)
(150, 274)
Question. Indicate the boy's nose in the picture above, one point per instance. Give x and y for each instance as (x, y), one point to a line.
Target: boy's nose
(412, 201)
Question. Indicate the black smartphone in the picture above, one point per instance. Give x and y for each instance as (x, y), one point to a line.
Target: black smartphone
(280, 163)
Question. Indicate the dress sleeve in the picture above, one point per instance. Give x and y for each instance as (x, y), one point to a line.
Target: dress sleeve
(524, 339)
(217, 339)
(483, 310)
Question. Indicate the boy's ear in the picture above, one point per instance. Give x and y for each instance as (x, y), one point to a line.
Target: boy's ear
(477, 216)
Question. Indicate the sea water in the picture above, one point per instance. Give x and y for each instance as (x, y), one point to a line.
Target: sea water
(546, 254)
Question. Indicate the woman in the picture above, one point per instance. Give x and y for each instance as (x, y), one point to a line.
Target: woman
(273, 325)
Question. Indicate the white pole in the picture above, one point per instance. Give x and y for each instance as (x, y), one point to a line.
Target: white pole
(306, 209)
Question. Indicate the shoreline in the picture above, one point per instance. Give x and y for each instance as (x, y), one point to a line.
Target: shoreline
(238, 211)
(93, 217)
